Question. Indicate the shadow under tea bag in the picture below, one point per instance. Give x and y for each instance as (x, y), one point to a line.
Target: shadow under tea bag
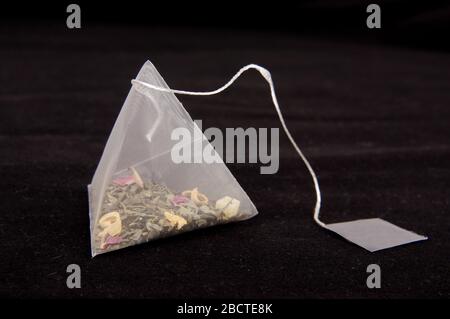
(139, 193)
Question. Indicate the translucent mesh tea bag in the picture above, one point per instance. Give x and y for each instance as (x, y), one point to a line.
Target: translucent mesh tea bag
(139, 193)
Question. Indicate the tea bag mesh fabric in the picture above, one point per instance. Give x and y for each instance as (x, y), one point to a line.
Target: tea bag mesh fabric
(138, 193)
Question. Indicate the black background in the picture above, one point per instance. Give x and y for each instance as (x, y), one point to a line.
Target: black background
(407, 23)
(369, 108)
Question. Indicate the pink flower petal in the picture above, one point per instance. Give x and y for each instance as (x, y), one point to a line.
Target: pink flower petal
(180, 199)
(113, 240)
(124, 180)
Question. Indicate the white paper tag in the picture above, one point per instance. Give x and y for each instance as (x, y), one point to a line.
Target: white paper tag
(374, 233)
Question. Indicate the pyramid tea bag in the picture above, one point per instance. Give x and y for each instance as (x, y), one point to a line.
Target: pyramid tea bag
(139, 194)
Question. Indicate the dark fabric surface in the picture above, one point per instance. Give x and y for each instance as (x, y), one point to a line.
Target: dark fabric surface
(374, 122)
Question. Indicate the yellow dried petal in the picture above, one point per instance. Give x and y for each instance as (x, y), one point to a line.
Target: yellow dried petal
(175, 220)
(232, 209)
(229, 206)
(198, 198)
(111, 224)
(223, 202)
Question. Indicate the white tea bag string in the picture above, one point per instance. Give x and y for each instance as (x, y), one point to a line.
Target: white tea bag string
(372, 234)
(266, 74)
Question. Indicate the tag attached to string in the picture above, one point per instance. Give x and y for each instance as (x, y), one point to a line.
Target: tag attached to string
(371, 234)
(374, 234)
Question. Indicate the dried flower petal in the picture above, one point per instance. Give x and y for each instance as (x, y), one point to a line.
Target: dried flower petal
(175, 220)
(113, 240)
(179, 199)
(111, 224)
(223, 202)
(197, 197)
(124, 180)
(229, 206)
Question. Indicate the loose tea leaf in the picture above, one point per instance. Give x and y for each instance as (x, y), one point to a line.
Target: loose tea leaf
(136, 210)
